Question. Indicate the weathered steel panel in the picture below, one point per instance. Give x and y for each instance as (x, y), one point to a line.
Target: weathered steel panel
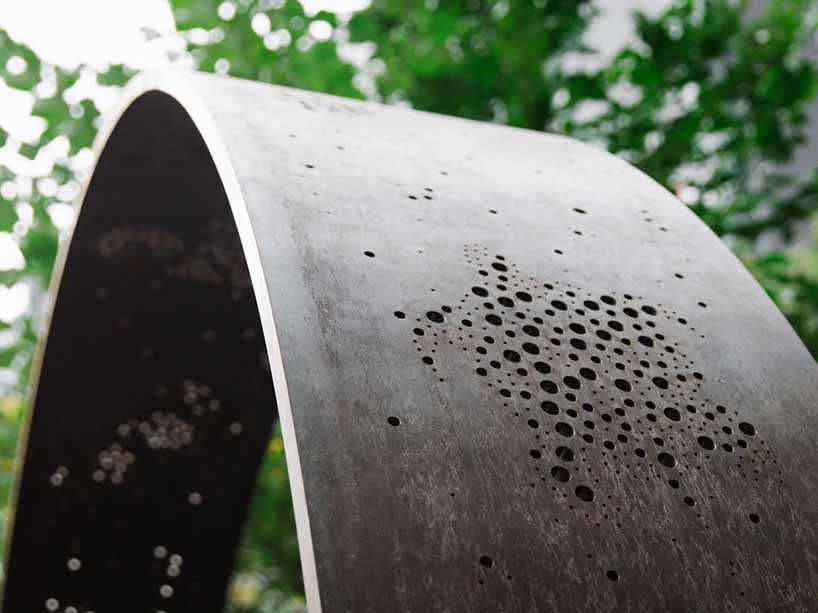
(513, 372)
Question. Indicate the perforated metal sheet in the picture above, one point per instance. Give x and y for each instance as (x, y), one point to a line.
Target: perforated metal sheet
(513, 373)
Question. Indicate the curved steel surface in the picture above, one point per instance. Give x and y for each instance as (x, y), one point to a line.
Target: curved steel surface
(513, 373)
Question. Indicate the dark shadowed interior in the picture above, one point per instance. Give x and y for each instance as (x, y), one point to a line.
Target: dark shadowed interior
(155, 400)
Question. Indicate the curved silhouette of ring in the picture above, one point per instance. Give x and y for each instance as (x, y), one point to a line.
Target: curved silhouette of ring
(512, 373)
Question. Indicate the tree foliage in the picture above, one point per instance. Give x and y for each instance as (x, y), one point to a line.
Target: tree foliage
(491, 61)
(708, 100)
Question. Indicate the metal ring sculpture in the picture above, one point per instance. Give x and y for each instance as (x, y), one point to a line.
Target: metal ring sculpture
(513, 373)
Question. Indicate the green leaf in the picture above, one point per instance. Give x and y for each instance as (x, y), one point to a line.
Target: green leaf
(8, 215)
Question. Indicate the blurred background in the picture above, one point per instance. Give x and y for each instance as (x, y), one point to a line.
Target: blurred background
(715, 99)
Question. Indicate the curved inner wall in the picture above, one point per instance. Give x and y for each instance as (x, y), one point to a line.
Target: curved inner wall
(155, 400)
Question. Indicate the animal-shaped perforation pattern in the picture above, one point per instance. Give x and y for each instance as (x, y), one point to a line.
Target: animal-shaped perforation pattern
(582, 370)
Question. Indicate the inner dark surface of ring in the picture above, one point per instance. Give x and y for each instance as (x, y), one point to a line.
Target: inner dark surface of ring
(155, 401)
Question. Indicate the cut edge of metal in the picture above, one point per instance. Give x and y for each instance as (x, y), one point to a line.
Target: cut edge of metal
(174, 83)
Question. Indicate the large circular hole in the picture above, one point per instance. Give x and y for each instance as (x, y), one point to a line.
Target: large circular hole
(584, 493)
(747, 428)
(560, 474)
(667, 460)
